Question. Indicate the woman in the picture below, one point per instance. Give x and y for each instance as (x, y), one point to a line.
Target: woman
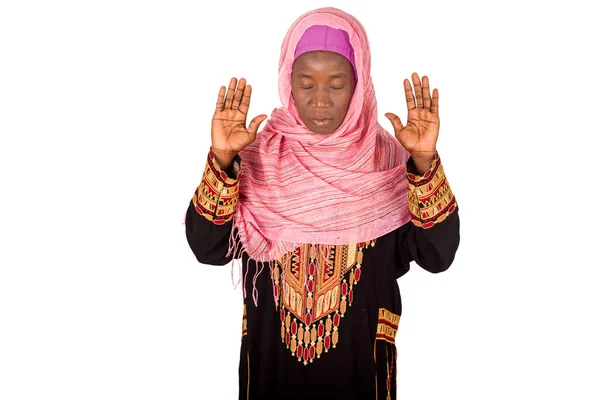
(332, 206)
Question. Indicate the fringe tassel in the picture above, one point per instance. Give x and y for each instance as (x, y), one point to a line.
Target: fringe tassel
(284, 248)
(256, 274)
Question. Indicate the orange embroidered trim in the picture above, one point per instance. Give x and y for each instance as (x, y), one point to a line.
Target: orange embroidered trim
(217, 195)
(244, 323)
(316, 292)
(430, 198)
(387, 326)
(390, 371)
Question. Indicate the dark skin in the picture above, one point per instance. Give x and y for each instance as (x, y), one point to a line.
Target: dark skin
(322, 87)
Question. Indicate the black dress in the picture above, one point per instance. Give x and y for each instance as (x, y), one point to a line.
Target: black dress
(332, 334)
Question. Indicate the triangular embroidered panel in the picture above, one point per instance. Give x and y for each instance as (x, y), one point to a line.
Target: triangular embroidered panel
(315, 290)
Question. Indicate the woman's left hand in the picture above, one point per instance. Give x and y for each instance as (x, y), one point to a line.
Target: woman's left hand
(420, 134)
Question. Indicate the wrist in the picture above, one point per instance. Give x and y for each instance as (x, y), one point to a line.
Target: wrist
(422, 162)
(224, 158)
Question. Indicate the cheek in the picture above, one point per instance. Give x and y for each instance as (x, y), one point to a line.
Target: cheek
(301, 100)
(296, 95)
(343, 102)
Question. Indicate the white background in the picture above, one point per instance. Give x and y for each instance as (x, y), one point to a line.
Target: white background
(105, 112)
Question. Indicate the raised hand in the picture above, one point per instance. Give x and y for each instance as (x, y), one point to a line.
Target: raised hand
(420, 134)
(229, 133)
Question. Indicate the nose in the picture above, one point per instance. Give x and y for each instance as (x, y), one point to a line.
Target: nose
(320, 99)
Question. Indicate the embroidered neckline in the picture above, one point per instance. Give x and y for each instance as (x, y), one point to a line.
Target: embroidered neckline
(315, 287)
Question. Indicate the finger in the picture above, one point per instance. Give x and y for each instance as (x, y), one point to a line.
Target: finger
(410, 100)
(230, 91)
(426, 94)
(435, 102)
(396, 121)
(221, 99)
(255, 123)
(245, 103)
(418, 90)
(237, 98)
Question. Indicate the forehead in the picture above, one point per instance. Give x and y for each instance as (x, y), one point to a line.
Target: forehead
(321, 61)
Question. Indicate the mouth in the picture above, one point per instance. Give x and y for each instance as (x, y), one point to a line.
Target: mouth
(321, 122)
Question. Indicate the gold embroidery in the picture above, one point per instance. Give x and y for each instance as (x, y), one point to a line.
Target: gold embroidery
(217, 195)
(387, 325)
(244, 323)
(430, 199)
(315, 292)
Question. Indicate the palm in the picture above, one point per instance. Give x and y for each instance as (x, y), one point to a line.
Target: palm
(229, 132)
(420, 134)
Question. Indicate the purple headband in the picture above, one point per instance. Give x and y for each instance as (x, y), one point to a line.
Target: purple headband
(323, 37)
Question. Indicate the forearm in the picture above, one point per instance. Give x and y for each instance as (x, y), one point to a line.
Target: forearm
(225, 160)
(208, 241)
(435, 234)
(210, 213)
(422, 163)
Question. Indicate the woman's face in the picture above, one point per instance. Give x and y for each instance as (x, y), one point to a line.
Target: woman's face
(322, 87)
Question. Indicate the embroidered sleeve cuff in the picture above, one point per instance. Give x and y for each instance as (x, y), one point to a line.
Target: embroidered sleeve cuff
(217, 195)
(430, 198)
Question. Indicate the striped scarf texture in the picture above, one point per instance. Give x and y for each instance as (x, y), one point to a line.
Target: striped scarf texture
(299, 187)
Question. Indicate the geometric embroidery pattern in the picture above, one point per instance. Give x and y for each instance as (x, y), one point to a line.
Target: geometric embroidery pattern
(216, 197)
(430, 198)
(315, 293)
(387, 325)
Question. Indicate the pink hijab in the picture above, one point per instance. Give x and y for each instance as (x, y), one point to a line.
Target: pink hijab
(300, 187)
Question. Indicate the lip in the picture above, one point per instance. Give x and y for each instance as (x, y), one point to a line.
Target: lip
(321, 122)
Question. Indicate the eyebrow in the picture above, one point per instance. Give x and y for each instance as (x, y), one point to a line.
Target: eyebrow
(304, 75)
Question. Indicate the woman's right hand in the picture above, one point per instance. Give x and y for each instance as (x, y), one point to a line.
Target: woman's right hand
(229, 132)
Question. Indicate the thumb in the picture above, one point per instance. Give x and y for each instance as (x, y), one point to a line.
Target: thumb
(255, 123)
(395, 120)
